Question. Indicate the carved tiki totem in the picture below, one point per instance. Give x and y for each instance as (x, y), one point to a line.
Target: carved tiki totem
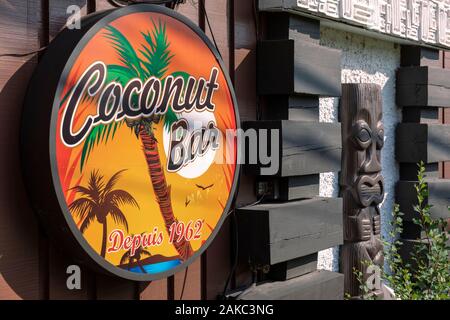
(361, 181)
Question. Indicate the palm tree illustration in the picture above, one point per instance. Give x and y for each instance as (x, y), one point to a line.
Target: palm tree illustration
(136, 258)
(99, 201)
(154, 60)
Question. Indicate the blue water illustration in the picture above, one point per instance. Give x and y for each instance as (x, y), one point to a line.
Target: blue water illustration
(157, 267)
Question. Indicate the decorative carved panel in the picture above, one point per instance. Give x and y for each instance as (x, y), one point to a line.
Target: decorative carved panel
(424, 21)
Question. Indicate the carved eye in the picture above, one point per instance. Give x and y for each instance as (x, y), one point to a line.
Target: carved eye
(363, 135)
(380, 138)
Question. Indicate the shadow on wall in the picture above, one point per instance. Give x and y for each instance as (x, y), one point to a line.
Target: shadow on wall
(19, 237)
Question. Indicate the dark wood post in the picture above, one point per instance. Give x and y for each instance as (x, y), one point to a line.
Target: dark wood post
(361, 182)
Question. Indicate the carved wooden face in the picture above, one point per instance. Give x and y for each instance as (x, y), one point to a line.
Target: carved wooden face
(368, 139)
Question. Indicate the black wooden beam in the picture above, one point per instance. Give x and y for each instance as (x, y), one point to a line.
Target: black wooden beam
(298, 107)
(409, 171)
(422, 142)
(411, 56)
(269, 5)
(294, 67)
(318, 285)
(439, 198)
(420, 115)
(288, 188)
(278, 232)
(304, 148)
(423, 87)
(293, 268)
(284, 26)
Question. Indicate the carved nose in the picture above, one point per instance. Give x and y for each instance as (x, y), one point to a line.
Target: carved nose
(372, 165)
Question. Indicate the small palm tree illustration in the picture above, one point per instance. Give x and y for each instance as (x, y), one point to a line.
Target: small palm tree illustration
(98, 201)
(155, 61)
(135, 258)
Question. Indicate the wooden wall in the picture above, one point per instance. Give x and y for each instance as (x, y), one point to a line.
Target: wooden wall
(30, 266)
(425, 106)
(445, 117)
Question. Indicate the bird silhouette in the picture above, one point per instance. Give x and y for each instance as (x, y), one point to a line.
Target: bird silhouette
(204, 188)
(186, 203)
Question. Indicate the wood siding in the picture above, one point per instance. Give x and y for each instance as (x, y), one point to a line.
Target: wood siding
(31, 267)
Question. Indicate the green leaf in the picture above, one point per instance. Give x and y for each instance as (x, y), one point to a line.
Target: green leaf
(126, 52)
(119, 74)
(156, 51)
(156, 59)
(170, 117)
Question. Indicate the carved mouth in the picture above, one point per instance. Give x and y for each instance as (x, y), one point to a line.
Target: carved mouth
(367, 190)
(370, 190)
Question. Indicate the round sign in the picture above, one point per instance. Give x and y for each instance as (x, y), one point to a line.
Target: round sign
(126, 137)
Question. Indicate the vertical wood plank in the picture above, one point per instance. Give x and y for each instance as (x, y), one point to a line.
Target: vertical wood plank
(155, 290)
(217, 259)
(102, 5)
(58, 16)
(91, 6)
(58, 261)
(446, 59)
(58, 290)
(218, 15)
(191, 280)
(19, 250)
(190, 9)
(44, 251)
(171, 288)
(245, 60)
(113, 288)
(245, 86)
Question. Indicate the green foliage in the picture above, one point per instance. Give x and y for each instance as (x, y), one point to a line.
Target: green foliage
(432, 276)
(126, 52)
(156, 52)
(155, 61)
(428, 276)
(366, 293)
(399, 275)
